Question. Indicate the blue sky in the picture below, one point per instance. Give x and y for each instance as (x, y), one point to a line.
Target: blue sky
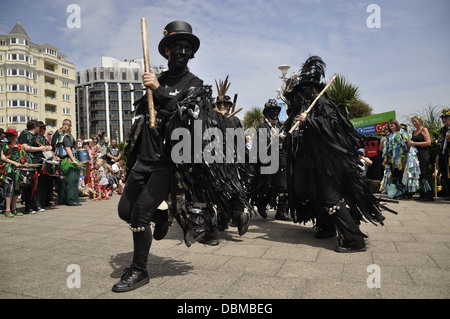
(403, 65)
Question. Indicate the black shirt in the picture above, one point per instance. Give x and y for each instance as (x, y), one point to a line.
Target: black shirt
(165, 100)
(27, 138)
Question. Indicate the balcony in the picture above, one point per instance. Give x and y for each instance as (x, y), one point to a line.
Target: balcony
(50, 122)
(50, 108)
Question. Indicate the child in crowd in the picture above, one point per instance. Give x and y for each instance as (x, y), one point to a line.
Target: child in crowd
(13, 157)
(117, 172)
(102, 178)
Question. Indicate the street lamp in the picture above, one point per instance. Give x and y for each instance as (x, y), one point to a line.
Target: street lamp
(284, 69)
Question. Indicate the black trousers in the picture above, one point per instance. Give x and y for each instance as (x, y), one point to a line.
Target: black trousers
(425, 173)
(330, 195)
(445, 179)
(146, 188)
(42, 189)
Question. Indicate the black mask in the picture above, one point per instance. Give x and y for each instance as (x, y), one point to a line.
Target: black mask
(273, 114)
(180, 53)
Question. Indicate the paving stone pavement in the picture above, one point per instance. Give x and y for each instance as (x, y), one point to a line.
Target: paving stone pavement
(409, 257)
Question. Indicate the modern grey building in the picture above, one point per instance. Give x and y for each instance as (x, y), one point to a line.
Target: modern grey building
(105, 96)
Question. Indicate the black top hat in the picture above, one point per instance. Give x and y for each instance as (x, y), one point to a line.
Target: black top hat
(271, 104)
(178, 30)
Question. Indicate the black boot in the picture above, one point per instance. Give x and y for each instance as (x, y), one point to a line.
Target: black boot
(242, 219)
(325, 232)
(262, 210)
(282, 208)
(162, 224)
(132, 279)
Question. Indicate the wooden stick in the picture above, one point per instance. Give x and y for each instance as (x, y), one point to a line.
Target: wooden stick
(313, 103)
(151, 105)
(234, 102)
(435, 181)
(234, 113)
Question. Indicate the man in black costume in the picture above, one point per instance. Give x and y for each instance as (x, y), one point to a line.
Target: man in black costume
(271, 189)
(148, 181)
(443, 157)
(325, 184)
(237, 215)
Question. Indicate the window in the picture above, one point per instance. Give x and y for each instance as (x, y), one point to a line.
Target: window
(51, 52)
(124, 75)
(65, 71)
(19, 57)
(66, 111)
(111, 75)
(1, 119)
(18, 41)
(87, 76)
(102, 75)
(20, 72)
(20, 88)
(66, 97)
(22, 103)
(17, 119)
(65, 84)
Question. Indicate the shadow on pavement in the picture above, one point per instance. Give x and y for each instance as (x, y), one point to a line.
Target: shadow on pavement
(161, 266)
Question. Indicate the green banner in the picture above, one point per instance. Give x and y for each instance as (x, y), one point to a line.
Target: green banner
(373, 123)
(373, 119)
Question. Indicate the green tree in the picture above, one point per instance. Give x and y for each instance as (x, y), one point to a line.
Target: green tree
(342, 93)
(358, 108)
(253, 118)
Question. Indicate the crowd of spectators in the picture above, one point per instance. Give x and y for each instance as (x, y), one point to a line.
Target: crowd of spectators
(41, 168)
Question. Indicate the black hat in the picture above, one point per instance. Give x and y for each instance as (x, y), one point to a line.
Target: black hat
(224, 99)
(312, 72)
(178, 30)
(271, 104)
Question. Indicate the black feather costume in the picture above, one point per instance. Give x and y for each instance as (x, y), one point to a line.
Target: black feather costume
(200, 189)
(329, 142)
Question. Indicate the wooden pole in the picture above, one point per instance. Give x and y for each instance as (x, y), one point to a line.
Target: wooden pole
(435, 181)
(313, 103)
(234, 102)
(234, 113)
(151, 105)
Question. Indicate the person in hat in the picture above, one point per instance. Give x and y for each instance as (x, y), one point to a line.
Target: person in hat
(2, 189)
(271, 189)
(13, 156)
(235, 213)
(443, 157)
(28, 138)
(324, 181)
(44, 192)
(148, 162)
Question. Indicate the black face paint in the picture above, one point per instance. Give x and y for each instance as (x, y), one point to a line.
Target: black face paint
(180, 53)
(273, 114)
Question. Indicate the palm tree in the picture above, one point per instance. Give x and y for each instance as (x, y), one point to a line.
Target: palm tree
(253, 118)
(342, 92)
